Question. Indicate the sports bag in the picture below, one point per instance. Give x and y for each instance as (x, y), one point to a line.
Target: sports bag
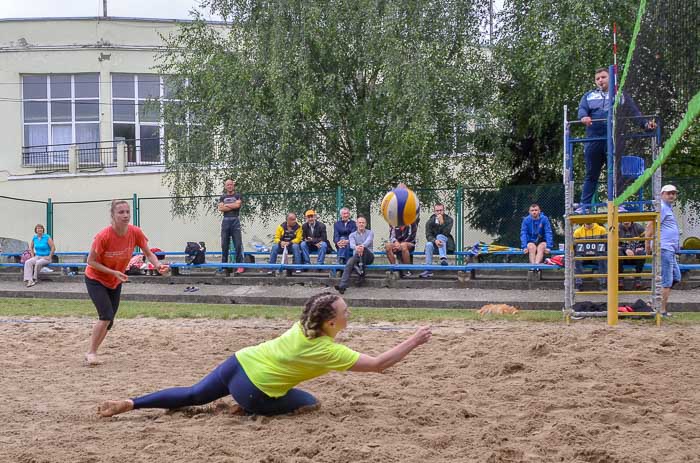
(195, 252)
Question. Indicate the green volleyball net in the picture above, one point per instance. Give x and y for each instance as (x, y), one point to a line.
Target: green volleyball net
(660, 78)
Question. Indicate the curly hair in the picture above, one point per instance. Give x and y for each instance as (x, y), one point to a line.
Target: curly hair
(318, 309)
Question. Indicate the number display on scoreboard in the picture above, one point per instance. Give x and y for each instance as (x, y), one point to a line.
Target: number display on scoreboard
(591, 249)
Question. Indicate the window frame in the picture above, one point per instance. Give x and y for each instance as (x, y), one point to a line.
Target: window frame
(138, 103)
(57, 157)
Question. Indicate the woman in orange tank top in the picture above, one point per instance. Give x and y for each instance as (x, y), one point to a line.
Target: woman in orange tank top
(109, 256)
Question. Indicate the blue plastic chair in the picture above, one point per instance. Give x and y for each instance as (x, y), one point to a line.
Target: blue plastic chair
(632, 167)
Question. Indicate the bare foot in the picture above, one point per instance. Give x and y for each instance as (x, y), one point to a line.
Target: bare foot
(114, 407)
(91, 360)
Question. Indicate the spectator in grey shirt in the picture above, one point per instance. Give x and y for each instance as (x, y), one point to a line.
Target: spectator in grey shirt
(361, 244)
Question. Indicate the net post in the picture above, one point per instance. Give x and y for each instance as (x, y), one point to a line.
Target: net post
(613, 241)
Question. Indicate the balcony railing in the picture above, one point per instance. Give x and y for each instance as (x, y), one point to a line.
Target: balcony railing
(93, 156)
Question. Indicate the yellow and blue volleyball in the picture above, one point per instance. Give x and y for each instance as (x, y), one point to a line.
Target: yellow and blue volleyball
(400, 207)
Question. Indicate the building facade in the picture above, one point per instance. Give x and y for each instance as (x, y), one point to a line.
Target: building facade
(80, 118)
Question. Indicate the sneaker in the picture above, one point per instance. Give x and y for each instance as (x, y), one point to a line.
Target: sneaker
(46, 270)
(270, 272)
(240, 270)
(443, 261)
(340, 289)
(666, 314)
(426, 274)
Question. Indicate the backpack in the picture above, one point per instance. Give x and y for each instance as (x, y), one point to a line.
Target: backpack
(555, 260)
(158, 250)
(134, 265)
(195, 252)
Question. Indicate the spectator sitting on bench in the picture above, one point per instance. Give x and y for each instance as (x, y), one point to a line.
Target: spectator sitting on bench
(438, 233)
(361, 242)
(536, 235)
(341, 235)
(590, 231)
(632, 248)
(42, 249)
(313, 238)
(402, 241)
(287, 234)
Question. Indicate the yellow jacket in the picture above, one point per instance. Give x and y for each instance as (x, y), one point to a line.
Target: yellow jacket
(284, 234)
(584, 233)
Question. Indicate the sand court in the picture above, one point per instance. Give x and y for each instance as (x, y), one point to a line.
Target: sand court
(478, 391)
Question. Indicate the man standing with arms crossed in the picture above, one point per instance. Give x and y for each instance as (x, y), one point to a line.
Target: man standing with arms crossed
(230, 205)
(670, 244)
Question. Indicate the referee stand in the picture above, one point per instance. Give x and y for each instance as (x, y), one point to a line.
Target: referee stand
(639, 210)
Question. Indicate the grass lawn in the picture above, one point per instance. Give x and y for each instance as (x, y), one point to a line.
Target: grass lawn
(18, 307)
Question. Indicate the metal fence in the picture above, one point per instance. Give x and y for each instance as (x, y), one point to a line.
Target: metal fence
(20, 216)
(93, 155)
(491, 215)
(75, 224)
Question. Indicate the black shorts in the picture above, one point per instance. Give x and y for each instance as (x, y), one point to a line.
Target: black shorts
(106, 300)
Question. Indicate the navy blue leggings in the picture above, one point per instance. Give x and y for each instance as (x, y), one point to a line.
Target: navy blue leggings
(227, 378)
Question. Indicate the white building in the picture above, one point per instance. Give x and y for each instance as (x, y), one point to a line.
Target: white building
(84, 83)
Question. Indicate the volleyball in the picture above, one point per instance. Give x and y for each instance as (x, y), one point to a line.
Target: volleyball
(400, 207)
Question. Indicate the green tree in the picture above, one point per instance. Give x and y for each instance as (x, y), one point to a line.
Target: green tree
(547, 51)
(545, 55)
(297, 95)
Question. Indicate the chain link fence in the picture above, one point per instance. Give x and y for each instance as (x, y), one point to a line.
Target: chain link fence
(20, 218)
(490, 215)
(75, 224)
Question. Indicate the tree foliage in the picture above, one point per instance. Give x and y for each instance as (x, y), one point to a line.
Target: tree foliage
(547, 51)
(299, 95)
(292, 96)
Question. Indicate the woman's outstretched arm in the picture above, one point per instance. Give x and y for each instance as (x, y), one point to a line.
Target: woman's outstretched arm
(367, 363)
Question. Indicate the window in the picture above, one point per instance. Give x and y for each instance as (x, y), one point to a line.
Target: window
(59, 109)
(137, 115)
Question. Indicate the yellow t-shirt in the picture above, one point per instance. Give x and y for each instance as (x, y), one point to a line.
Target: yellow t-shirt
(585, 233)
(278, 365)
